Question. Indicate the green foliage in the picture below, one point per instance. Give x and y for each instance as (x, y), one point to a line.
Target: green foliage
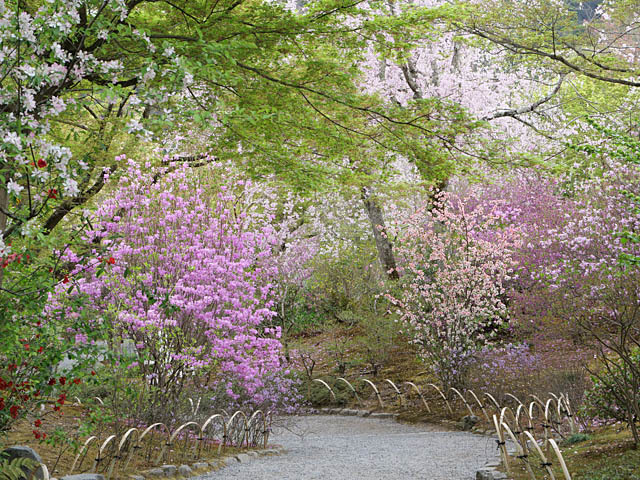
(15, 468)
(377, 340)
(318, 394)
(343, 287)
(616, 390)
(619, 471)
(576, 438)
(305, 320)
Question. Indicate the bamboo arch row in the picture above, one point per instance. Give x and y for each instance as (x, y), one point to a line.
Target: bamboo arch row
(517, 424)
(525, 444)
(552, 413)
(189, 441)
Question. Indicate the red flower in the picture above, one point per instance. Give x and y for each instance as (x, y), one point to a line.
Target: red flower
(42, 163)
(38, 323)
(1, 403)
(65, 279)
(93, 372)
(37, 423)
(37, 434)
(111, 261)
(76, 381)
(14, 411)
(63, 380)
(56, 408)
(52, 381)
(12, 366)
(26, 346)
(40, 349)
(52, 193)
(3, 385)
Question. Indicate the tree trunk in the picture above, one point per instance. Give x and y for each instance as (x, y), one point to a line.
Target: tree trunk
(385, 249)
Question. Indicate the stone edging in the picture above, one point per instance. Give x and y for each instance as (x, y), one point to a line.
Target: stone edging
(184, 471)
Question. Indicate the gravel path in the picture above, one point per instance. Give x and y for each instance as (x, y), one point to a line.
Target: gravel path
(354, 448)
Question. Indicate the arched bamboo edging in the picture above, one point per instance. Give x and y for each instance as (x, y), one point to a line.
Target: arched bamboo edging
(567, 407)
(155, 426)
(375, 389)
(417, 390)
(268, 422)
(333, 395)
(210, 422)
(41, 467)
(257, 429)
(351, 388)
(513, 397)
(183, 429)
(83, 452)
(444, 397)
(545, 463)
(401, 399)
(464, 400)
(237, 434)
(493, 400)
(127, 440)
(100, 457)
(484, 411)
(560, 458)
(194, 407)
(502, 444)
(522, 452)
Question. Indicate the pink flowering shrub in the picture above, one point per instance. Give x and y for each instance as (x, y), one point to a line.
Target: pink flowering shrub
(454, 265)
(188, 282)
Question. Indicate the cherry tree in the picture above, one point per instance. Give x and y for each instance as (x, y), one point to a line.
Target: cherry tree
(455, 262)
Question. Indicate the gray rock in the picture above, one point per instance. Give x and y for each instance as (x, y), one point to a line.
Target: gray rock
(200, 465)
(349, 411)
(490, 474)
(469, 422)
(384, 415)
(484, 474)
(154, 472)
(364, 413)
(243, 458)
(21, 451)
(83, 476)
(185, 470)
(136, 477)
(253, 454)
(169, 470)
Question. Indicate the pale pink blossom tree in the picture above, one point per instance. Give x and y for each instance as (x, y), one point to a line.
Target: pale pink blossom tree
(455, 262)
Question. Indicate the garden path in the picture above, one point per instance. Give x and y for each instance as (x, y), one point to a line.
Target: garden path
(352, 448)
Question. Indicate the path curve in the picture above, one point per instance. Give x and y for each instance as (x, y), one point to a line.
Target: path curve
(350, 448)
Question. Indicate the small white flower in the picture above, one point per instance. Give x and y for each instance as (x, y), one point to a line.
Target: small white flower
(134, 126)
(14, 187)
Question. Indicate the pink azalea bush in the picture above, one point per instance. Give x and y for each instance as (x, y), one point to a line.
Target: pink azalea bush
(188, 282)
